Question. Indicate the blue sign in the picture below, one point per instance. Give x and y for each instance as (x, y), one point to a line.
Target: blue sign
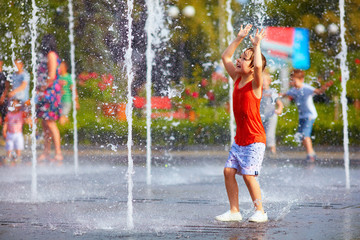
(301, 55)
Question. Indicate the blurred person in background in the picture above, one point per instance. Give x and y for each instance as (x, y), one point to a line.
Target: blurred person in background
(270, 107)
(19, 82)
(67, 90)
(48, 107)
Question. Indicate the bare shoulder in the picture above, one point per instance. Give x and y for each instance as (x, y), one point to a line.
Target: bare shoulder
(52, 55)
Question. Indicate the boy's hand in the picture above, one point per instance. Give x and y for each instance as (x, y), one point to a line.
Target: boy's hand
(278, 112)
(244, 32)
(329, 84)
(258, 37)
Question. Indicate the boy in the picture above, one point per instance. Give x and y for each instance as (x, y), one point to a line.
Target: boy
(20, 83)
(66, 99)
(270, 107)
(247, 153)
(12, 130)
(302, 94)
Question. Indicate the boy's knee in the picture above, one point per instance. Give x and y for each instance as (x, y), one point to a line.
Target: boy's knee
(249, 178)
(229, 172)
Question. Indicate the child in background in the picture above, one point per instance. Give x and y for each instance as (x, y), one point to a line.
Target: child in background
(247, 152)
(20, 81)
(268, 112)
(66, 99)
(12, 130)
(302, 94)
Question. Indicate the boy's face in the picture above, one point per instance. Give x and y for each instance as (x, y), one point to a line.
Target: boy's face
(297, 81)
(19, 65)
(63, 69)
(243, 63)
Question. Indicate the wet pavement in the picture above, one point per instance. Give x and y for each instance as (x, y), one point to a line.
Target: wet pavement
(303, 201)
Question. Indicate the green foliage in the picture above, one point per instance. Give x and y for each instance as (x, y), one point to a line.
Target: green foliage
(91, 90)
(100, 36)
(211, 127)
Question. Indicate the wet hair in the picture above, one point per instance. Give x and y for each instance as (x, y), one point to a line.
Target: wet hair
(297, 73)
(252, 50)
(48, 44)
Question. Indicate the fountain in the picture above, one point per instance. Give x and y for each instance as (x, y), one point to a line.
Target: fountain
(156, 31)
(230, 38)
(129, 112)
(33, 28)
(185, 195)
(345, 78)
(72, 60)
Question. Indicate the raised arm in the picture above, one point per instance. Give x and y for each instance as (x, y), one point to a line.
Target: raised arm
(323, 88)
(256, 40)
(230, 50)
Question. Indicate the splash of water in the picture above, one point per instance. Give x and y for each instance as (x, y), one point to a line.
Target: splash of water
(13, 52)
(155, 30)
(260, 13)
(230, 38)
(72, 61)
(128, 112)
(150, 54)
(34, 34)
(344, 78)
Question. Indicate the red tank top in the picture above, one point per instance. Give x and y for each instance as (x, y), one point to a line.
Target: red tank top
(249, 127)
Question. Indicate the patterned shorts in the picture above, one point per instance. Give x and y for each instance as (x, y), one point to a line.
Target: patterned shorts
(246, 159)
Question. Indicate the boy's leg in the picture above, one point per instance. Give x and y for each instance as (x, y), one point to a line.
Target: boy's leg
(306, 130)
(18, 146)
(308, 145)
(232, 189)
(254, 190)
(18, 156)
(18, 153)
(63, 119)
(9, 145)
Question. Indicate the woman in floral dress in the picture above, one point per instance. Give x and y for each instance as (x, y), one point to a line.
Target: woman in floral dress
(49, 97)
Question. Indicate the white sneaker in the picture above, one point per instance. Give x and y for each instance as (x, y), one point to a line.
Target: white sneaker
(258, 217)
(229, 217)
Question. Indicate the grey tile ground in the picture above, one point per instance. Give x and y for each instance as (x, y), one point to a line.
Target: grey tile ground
(303, 201)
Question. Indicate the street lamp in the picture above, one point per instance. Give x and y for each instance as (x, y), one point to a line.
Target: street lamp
(173, 11)
(328, 43)
(189, 11)
(333, 28)
(178, 25)
(320, 29)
